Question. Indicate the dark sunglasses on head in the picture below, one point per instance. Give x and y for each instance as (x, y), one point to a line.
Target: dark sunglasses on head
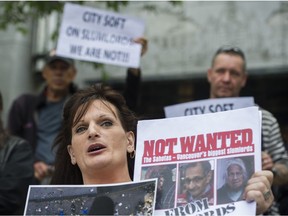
(230, 49)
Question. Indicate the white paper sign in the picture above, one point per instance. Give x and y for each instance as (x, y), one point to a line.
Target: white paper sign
(208, 106)
(99, 36)
(166, 146)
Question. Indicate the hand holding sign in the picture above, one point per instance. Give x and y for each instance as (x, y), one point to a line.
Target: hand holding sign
(144, 44)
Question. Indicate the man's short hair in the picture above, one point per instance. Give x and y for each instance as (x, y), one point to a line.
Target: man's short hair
(231, 50)
(206, 166)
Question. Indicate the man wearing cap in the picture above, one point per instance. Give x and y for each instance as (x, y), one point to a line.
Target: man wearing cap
(37, 118)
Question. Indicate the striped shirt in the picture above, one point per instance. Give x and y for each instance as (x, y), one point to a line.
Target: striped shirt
(272, 143)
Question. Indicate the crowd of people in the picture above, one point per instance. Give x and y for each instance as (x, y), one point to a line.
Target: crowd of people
(99, 119)
(67, 135)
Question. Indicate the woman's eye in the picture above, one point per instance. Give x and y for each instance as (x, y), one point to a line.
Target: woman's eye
(106, 124)
(80, 129)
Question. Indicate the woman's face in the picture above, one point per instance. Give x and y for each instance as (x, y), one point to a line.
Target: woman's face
(99, 142)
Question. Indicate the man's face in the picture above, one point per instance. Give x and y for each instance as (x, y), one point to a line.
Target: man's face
(227, 76)
(235, 176)
(196, 181)
(58, 75)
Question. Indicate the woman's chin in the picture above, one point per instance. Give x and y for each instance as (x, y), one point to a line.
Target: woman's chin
(98, 162)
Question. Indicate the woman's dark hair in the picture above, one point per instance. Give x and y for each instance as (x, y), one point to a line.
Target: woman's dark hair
(3, 133)
(74, 109)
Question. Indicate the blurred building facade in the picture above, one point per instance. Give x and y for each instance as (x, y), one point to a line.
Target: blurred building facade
(182, 41)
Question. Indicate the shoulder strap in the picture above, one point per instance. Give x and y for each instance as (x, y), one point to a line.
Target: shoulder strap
(7, 149)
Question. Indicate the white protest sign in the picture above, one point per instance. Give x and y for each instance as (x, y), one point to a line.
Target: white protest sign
(208, 106)
(99, 36)
(166, 146)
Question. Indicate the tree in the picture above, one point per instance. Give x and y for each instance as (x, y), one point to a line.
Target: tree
(18, 13)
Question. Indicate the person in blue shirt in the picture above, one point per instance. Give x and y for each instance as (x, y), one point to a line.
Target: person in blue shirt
(37, 118)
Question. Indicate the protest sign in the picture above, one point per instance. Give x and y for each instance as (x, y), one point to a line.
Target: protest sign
(167, 147)
(132, 198)
(208, 106)
(99, 36)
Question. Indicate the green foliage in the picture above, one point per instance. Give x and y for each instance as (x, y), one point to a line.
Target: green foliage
(175, 3)
(19, 12)
(115, 5)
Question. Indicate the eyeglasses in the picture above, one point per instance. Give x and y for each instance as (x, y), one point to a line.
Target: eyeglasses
(231, 49)
(196, 179)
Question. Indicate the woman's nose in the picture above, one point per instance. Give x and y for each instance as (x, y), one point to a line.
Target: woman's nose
(93, 131)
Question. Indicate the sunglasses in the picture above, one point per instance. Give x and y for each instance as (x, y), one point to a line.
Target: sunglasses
(230, 49)
(196, 179)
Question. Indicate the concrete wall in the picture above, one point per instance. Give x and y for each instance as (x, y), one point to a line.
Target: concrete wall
(15, 73)
(182, 40)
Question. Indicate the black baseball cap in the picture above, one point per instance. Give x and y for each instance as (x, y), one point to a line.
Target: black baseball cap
(53, 57)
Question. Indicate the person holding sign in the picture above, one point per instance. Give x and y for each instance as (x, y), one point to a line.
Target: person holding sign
(227, 76)
(37, 118)
(96, 145)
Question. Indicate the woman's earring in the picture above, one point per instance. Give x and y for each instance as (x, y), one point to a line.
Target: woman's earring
(73, 161)
(132, 154)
